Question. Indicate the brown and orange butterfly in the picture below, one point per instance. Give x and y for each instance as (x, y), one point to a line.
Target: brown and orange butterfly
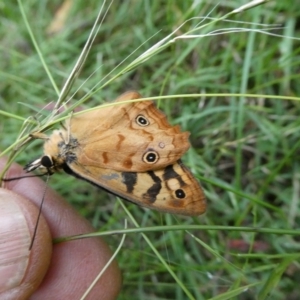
(129, 150)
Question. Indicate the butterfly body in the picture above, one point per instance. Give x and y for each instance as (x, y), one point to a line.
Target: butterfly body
(130, 150)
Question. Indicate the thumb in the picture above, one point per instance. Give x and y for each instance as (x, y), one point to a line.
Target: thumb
(21, 269)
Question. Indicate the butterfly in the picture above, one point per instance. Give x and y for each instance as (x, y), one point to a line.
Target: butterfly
(130, 150)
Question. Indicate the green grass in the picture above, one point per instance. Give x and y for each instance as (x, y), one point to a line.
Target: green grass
(239, 101)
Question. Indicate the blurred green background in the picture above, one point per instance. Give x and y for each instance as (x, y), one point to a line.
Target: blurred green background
(244, 149)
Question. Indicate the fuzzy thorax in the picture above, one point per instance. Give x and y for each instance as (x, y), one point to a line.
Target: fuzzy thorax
(55, 153)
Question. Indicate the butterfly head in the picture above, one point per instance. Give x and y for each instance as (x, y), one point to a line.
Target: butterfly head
(44, 162)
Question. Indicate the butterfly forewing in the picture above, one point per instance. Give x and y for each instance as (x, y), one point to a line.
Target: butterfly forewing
(172, 189)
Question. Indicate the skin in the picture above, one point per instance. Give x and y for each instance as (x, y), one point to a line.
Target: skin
(65, 270)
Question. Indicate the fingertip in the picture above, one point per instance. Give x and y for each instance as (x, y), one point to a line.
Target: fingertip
(21, 270)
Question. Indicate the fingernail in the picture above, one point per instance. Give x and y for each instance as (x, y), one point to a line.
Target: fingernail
(14, 241)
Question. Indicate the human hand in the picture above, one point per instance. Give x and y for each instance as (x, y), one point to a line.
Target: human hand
(61, 271)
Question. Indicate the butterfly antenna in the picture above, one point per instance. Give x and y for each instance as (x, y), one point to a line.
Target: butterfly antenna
(23, 176)
(40, 211)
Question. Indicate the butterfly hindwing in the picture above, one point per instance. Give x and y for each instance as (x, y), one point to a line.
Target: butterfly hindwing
(136, 137)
